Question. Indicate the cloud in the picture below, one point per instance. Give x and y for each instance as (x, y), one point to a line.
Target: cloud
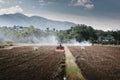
(41, 2)
(82, 3)
(1, 1)
(45, 2)
(11, 10)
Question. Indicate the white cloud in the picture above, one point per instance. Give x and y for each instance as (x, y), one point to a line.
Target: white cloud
(1, 1)
(83, 3)
(41, 2)
(44, 2)
(11, 10)
(89, 6)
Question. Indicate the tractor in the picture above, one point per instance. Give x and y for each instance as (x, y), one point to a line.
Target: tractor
(60, 48)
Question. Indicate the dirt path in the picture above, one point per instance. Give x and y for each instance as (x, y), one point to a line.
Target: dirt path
(72, 70)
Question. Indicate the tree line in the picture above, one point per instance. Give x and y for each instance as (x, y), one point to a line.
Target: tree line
(87, 33)
(79, 33)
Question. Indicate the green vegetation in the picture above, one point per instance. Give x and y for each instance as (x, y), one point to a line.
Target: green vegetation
(2, 46)
(72, 70)
(19, 34)
(80, 33)
(87, 33)
(8, 43)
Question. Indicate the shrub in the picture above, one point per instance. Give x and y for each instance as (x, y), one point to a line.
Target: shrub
(2, 46)
(8, 43)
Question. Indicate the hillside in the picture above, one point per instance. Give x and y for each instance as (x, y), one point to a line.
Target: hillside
(39, 22)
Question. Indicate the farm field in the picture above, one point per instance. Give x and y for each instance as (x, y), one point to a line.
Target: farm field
(25, 63)
(98, 62)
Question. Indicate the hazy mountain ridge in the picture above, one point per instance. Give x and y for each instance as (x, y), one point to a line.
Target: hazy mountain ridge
(37, 21)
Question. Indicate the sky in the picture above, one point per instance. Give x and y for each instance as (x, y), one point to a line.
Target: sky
(100, 14)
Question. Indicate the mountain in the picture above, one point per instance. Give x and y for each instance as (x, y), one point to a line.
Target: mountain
(37, 21)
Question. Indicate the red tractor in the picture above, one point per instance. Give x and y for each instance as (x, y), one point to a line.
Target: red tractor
(60, 48)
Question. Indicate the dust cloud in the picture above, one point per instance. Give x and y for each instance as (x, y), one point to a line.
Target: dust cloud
(42, 40)
(73, 42)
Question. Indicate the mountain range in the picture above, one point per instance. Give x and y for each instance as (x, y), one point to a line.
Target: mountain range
(37, 21)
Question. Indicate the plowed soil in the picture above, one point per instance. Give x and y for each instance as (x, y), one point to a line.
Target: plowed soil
(24, 63)
(98, 62)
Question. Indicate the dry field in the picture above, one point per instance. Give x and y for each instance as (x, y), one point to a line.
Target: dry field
(98, 62)
(43, 63)
(25, 63)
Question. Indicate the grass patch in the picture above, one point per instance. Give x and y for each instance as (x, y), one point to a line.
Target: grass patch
(72, 70)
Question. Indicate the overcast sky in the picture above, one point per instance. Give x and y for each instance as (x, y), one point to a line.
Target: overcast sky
(100, 14)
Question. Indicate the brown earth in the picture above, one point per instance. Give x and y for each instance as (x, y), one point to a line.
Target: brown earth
(98, 62)
(24, 63)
